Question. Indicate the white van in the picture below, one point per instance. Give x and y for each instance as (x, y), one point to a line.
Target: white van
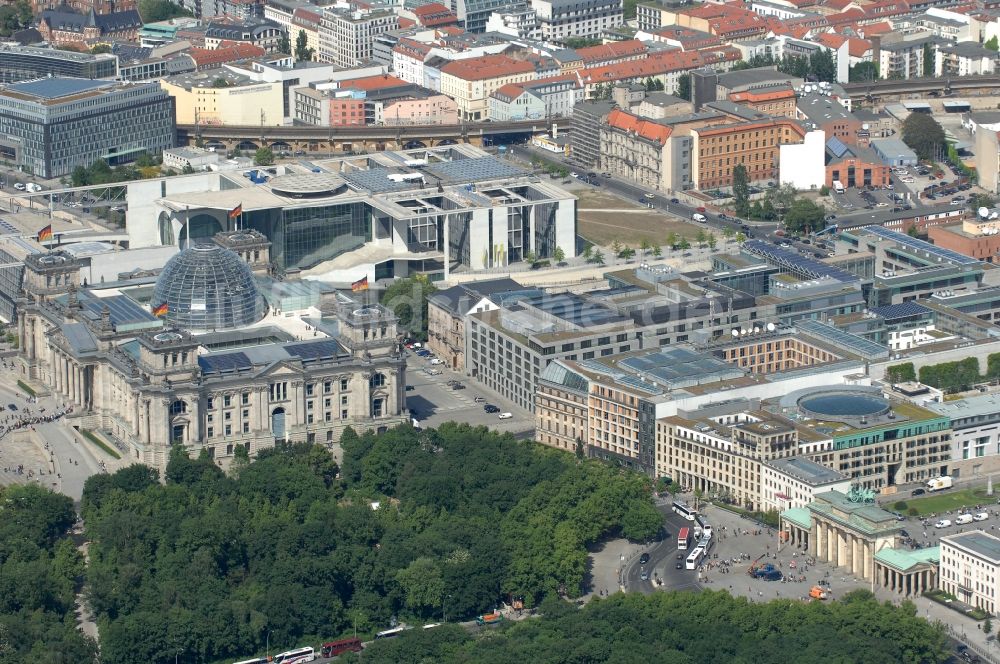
(699, 217)
(943, 523)
(982, 516)
(964, 518)
(505, 416)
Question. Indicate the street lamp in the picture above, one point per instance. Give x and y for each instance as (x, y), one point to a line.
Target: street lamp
(267, 645)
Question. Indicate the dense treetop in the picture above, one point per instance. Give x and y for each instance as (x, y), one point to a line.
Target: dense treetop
(209, 565)
(684, 628)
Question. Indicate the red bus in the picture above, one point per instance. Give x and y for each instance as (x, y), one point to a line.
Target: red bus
(335, 648)
(683, 539)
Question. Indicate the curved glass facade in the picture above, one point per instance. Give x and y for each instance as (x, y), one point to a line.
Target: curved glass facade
(206, 287)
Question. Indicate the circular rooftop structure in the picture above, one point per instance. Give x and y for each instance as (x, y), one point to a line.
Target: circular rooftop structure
(206, 287)
(838, 405)
(307, 185)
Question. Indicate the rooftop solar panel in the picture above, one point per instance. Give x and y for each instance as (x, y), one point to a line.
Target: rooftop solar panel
(327, 349)
(123, 309)
(224, 362)
(903, 310)
(846, 340)
(7, 227)
(474, 170)
(920, 245)
(836, 147)
(801, 265)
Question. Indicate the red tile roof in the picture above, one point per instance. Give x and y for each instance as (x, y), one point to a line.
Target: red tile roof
(749, 126)
(373, 82)
(831, 40)
(660, 63)
(652, 131)
(434, 14)
(758, 96)
(204, 57)
(605, 52)
(875, 29)
(486, 67)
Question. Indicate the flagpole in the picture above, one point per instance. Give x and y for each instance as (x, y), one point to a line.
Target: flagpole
(187, 223)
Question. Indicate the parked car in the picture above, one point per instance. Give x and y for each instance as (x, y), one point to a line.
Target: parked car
(479, 400)
(458, 386)
(982, 516)
(943, 523)
(437, 360)
(675, 201)
(433, 372)
(917, 492)
(490, 408)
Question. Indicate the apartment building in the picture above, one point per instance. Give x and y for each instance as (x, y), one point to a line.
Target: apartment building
(346, 37)
(755, 144)
(471, 82)
(970, 567)
(904, 59)
(968, 58)
(636, 149)
(773, 100)
(545, 98)
(559, 20)
(507, 349)
(588, 116)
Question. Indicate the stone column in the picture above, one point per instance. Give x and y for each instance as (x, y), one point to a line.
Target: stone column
(849, 552)
(816, 546)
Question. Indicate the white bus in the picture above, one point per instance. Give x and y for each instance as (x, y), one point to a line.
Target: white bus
(295, 656)
(685, 511)
(694, 558)
(259, 660)
(389, 633)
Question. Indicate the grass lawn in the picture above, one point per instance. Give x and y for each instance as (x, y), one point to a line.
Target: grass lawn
(949, 501)
(604, 218)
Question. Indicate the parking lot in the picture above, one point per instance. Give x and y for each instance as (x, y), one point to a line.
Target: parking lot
(432, 401)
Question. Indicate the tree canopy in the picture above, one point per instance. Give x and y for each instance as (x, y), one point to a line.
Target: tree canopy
(160, 10)
(804, 216)
(210, 564)
(40, 570)
(741, 190)
(408, 300)
(924, 135)
(685, 628)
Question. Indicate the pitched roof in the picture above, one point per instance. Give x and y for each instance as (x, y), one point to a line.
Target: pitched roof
(629, 47)
(486, 67)
(662, 62)
(771, 94)
(434, 14)
(204, 57)
(647, 129)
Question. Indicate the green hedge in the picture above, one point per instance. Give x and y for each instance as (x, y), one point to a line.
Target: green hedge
(89, 435)
(24, 386)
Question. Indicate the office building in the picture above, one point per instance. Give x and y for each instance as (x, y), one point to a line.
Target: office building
(970, 568)
(346, 37)
(448, 308)
(380, 215)
(794, 482)
(24, 63)
(588, 116)
(755, 144)
(50, 126)
(507, 349)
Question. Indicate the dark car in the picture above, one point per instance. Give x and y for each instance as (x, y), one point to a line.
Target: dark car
(679, 566)
(917, 492)
(675, 201)
(490, 408)
(680, 556)
(643, 559)
(458, 386)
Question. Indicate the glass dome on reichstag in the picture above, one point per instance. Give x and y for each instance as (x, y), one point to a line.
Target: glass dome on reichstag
(206, 287)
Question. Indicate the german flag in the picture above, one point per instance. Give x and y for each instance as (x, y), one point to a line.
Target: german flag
(161, 310)
(360, 285)
(45, 234)
(236, 211)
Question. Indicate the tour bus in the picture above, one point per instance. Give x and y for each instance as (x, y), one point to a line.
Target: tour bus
(258, 660)
(390, 633)
(694, 558)
(296, 656)
(683, 539)
(335, 648)
(685, 511)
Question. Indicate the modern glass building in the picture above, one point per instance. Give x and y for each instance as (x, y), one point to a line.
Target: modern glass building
(52, 125)
(24, 63)
(206, 288)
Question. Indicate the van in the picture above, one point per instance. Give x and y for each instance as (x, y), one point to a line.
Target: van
(505, 416)
(943, 523)
(982, 516)
(964, 518)
(700, 218)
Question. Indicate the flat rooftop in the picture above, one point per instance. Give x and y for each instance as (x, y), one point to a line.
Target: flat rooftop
(977, 542)
(806, 471)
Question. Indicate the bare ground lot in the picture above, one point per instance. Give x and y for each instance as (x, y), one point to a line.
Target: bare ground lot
(604, 218)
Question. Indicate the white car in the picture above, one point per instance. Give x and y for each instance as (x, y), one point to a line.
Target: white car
(505, 416)
(907, 180)
(437, 360)
(943, 523)
(982, 516)
(20, 186)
